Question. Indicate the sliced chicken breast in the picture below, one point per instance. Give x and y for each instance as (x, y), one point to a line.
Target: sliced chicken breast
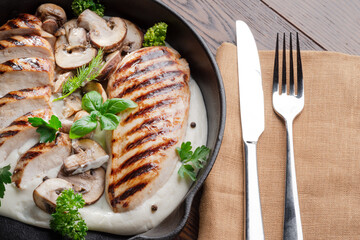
(17, 103)
(25, 46)
(18, 132)
(41, 158)
(21, 73)
(24, 24)
(143, 145)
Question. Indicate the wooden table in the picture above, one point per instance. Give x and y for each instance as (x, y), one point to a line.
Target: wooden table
(323, 25)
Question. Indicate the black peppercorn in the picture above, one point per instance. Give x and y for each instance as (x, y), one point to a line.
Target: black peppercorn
(193, 124)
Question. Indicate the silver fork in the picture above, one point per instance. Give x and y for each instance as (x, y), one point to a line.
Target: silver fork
(288, 104)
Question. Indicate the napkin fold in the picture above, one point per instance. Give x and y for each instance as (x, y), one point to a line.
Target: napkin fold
(327, 153)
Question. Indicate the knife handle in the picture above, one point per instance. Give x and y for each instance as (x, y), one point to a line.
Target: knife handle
(254, 229)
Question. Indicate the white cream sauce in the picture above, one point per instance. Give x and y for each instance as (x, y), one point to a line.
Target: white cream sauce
(19, 204)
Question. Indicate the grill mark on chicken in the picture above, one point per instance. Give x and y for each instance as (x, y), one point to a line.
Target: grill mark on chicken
(26, 158)
(13, 65)
(128, 193)
(149, 108)
(156, 79)
(15, 42)
(141, 140)
(12, 24)
(133, 174)
(140, 72)
(147, 123)
(149, 55)
(144, 154)
(12, 95)
(159, 91)
(8, 134)
(20, 123)
(29, 20)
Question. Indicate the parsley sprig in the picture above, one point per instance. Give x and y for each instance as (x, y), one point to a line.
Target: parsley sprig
(5, 178)
(47, 131)
(67, 220)
(78, 6)
(83, 75)
(155, 36)
(191, 161)
(105, 113)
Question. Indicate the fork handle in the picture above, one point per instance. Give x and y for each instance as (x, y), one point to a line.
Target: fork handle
(253, 219)
(292, 220)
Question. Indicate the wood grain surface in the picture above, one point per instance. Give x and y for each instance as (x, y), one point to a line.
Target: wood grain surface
(327, 25)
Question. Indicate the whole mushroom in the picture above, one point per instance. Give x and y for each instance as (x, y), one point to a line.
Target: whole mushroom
(52, 16)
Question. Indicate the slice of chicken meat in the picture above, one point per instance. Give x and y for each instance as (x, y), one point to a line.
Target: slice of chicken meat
(25, 46)
(17, 103)
(19, 131)
(24, 24)
(143, 145)
(41, 158)
(21, 73)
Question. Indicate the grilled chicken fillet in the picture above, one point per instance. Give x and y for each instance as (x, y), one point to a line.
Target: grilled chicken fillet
(17, 103)
(40, 159)
(24, 24)
(18, 132)
(143, 145)
(23, 73)
(25, 46)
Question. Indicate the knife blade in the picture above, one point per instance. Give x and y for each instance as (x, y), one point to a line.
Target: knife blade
(252, 125)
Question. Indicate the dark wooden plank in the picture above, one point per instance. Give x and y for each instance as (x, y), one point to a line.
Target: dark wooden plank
(333, 24)
(214, 20)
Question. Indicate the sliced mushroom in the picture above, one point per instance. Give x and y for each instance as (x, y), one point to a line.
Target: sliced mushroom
(95, 86)
(60, 80)
(80, 114)
(47, 192)
(52, 16)
(70, 58)
(72, 104)
(90, 184)
(103, 34)
(89, 155)
(72, 49)
(134, 37)
(111, 64)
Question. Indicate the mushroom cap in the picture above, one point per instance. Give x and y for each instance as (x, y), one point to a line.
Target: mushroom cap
(47, 192)
(95, 86)
(111, 64)
(51, 11)
(90, 184)
(134, 38)
(107, 35)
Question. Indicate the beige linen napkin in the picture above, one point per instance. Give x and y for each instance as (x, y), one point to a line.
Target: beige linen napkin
(327, 153)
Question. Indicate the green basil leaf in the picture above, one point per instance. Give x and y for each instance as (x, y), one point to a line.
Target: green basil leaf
(46, 134)
(116, 105)
(82, 127)
(109, 121)
(92, 101)
(36, 121)
(54, 122)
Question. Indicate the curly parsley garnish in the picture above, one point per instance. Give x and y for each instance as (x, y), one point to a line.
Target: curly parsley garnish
(67, 220)
(83, 75)
(5, 178)
(78, 6)
(105, 113)
(47, 131)
(191, 161)
(155, 36)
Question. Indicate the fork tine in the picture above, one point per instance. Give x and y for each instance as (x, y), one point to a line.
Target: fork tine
(283, 80)
(292, 85)
(299, 69)
(276, 66)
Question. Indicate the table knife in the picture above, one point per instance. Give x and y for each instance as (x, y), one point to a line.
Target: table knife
(252, 125)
